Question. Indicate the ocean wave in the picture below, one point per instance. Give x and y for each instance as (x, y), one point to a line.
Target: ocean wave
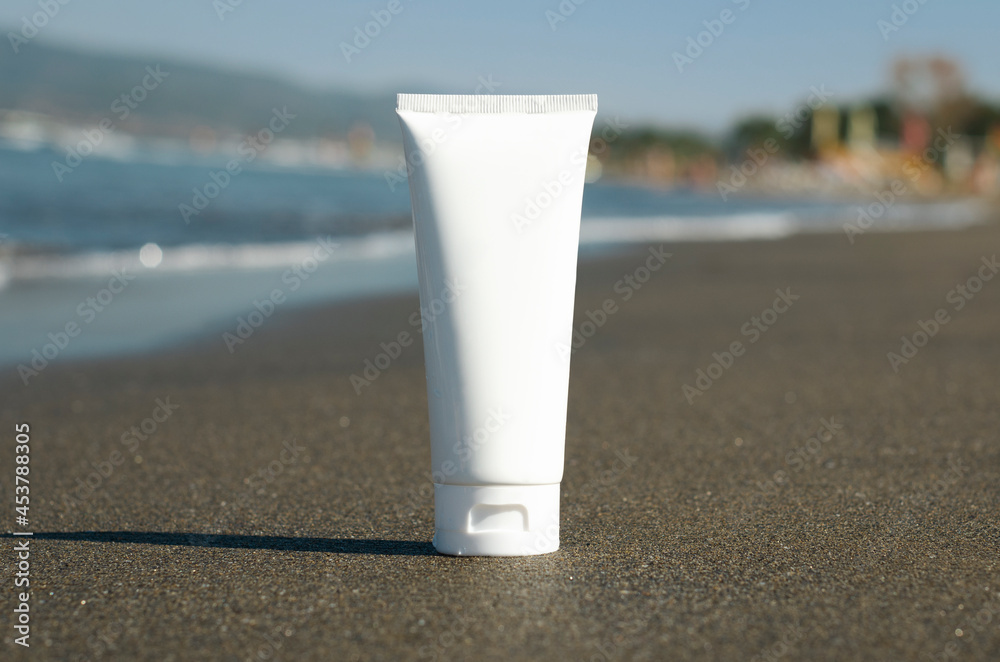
(950, 214)
(200, 257)
(24, 263)
(610, 230)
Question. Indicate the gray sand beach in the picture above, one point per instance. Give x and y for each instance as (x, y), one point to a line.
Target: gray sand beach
(802, 496)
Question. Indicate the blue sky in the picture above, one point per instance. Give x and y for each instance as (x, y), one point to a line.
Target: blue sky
(766, 59)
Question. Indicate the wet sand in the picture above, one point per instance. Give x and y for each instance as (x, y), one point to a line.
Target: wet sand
(801, 501)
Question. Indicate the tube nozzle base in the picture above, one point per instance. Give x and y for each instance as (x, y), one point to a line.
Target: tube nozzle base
(496, 520)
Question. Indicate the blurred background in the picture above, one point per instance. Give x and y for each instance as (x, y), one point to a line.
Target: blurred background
(164, 167)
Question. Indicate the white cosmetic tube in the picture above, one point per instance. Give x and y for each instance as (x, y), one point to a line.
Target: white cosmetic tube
(496, 184)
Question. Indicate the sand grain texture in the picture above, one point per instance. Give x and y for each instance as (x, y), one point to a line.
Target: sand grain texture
(883, 544)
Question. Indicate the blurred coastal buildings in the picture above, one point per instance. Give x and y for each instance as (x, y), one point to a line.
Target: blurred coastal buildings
(926, 136)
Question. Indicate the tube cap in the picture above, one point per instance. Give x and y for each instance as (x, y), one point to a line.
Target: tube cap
(496, 520)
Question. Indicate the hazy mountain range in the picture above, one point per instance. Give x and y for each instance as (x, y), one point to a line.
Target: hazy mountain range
(83, 87)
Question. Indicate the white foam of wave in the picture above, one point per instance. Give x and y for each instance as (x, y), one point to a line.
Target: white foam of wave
(944, 215)
(947, 214)
(594, 232)
(203, 257)
(216, 257)
(686, 228)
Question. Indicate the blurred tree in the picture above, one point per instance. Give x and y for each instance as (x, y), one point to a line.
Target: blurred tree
(981, 119)
(888, 122)
(657, 154)
(791, 134)
(751, 132)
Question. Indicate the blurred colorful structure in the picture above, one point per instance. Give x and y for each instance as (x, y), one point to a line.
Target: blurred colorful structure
(928, 135)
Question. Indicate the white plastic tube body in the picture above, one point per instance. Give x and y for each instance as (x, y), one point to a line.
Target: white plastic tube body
(496, 184)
